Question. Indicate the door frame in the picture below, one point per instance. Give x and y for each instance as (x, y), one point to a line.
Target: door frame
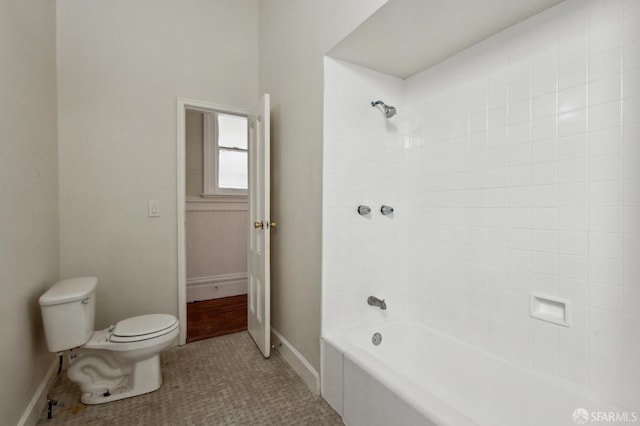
(184, 104)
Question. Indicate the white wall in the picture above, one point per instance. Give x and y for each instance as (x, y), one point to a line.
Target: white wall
(524, 175)
(363, 151)
(29, 197)
(121, 65)
(294, 36)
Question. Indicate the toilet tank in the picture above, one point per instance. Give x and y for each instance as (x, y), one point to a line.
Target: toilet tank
(68, 313)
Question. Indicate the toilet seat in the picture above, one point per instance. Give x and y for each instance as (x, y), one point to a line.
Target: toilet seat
(145, 333)
(143, 327)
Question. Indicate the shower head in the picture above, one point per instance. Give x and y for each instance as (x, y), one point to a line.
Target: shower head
(389, 111)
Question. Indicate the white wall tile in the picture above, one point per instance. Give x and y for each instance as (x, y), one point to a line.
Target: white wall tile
(572, 218)
(631, 86)
(604, 64)
(573, 146)
(605, 219)
(545, 105)
(603, 116)
(606, 89)
(631, 302)
(631, 138)
(572, 194)
(572, 122)
(604, 38)
(630, 247)
(545, 356)
(544, 263)
(604, 167)
(544, 83)
(544, 150)
(519, 154)
(572, 74)
(572, 243)
(572, 98)
(519, 175)
(545, 218)
(606, 297)
(573, 366)
(574, 170)
(631, 108)
(574, 290)
(544, 196)
(609, 245)
(631, 55)
(607, 322)
(574, 267)
(605, 193)
(631, 219)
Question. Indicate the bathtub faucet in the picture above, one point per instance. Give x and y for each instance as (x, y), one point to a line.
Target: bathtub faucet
(374, 301)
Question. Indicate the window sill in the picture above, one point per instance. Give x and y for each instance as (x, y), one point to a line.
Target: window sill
(218, 198)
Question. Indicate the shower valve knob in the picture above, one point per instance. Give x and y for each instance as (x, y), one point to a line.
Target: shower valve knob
(364, 210)
(386, 210)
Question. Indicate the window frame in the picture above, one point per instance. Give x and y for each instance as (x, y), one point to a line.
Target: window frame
(211, 158)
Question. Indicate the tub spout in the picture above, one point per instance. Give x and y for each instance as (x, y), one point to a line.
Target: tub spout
(374, 301)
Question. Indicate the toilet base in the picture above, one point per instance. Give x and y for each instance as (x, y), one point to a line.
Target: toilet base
(143, 377)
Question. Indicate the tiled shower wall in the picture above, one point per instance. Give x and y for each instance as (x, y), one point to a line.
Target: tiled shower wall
(514, 168)
(524, 166)
(362, 256)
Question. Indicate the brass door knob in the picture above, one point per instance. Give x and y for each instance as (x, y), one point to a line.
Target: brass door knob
(258, 225)
(273, 225)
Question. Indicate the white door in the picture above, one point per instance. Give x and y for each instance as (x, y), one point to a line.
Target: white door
(260, 224)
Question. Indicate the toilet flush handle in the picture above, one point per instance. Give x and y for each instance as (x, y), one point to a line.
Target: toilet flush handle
(85, 301)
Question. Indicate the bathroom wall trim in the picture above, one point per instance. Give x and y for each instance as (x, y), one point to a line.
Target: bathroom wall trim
(299, 364)
(214, 287)
(39, 399)
(183, 104)
(205, 204)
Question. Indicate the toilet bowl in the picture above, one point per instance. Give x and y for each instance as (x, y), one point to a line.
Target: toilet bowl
(118, 362)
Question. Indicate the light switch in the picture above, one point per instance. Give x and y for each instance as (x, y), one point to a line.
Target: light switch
(154, 208)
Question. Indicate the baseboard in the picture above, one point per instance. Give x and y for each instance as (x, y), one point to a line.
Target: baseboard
(215, 287)
(39, 399)
(299, 364)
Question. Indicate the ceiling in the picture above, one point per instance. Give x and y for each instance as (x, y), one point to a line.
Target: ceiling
(405, 37)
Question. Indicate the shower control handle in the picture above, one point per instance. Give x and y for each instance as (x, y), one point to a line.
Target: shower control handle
(386, 210)
(364, 210)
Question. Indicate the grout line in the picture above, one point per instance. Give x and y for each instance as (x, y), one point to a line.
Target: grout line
(557, 139)
(588, 179)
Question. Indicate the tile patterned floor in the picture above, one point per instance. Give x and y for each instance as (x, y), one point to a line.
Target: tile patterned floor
(219, 381)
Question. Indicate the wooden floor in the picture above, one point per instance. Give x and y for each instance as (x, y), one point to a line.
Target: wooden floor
(216, 317)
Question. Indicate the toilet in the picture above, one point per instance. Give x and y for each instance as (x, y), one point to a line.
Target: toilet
(118, 362)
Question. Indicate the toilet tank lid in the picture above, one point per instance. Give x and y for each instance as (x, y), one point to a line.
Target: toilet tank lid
(69, 290)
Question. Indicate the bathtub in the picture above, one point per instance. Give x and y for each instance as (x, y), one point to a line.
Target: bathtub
(417, 376)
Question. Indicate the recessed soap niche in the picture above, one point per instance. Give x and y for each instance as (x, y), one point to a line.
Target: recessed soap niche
(551, 309)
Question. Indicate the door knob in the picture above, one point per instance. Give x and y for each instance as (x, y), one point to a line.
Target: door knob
(273, 225)
(258, 225)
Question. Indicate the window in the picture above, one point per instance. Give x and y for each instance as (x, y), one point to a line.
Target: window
(225, 154)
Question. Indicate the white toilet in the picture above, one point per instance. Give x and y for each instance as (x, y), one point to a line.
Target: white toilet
(115, 363)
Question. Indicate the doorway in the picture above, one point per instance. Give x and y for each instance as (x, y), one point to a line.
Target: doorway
(235, 262)
(216, 189)
(254, 198)
(212, 210)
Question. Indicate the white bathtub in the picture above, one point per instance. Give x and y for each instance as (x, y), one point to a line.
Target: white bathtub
(417, 376)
